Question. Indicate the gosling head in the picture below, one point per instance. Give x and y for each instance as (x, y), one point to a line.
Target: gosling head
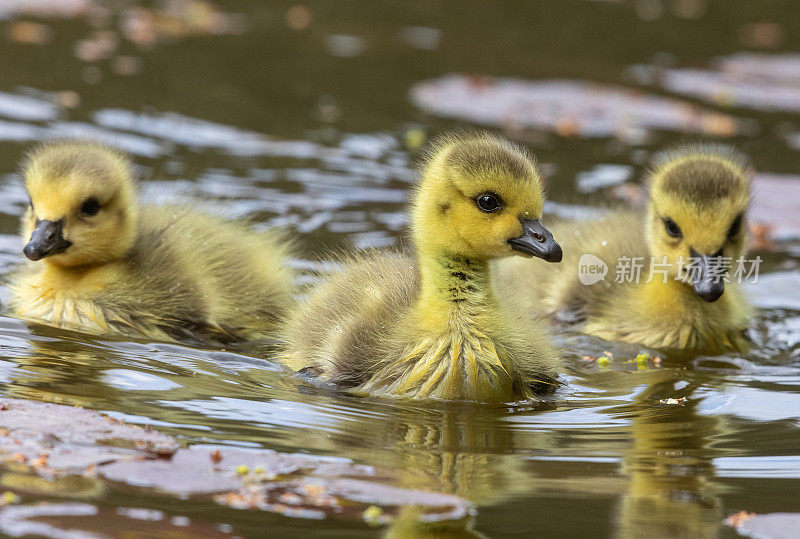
(82, 207)
(481, 197)
(699, 197)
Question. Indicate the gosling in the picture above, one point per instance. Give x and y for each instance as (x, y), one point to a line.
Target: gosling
(104, 264)
(430, 325)
(695, 221)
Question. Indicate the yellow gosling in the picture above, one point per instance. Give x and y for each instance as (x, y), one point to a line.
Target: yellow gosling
(102, 263)
(695, 222)
(430, 325)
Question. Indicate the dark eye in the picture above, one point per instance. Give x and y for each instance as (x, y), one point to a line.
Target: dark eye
(488, 202)
(90, 207)
(733, 231)
(672, 228)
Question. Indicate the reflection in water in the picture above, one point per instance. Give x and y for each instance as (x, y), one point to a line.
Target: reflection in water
(459, 451)
(453, 451)
(50, 363)
(671, 491)
(409, 526)
(665, 482)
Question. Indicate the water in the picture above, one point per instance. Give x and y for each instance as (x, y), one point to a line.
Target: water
(301, 115)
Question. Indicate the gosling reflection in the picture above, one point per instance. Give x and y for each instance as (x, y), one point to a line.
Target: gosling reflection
(461, 449)
(408, 525)
(456, 451)
(65, 367)
(60, 369)
(671, 492)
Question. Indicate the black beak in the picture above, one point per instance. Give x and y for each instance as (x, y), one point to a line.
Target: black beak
(537, 241)
(708, 274)
(47, 239)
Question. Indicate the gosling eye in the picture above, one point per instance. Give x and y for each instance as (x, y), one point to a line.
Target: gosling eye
(90, 207)
(488, 202)
(736, 226)
(672, 228)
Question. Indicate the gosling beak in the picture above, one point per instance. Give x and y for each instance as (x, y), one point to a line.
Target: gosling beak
(708, 275)
(47, 239)
(536, 241)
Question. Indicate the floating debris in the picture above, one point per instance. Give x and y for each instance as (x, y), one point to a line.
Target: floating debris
(178, 19)
(68, 99)
(679, 402)
(99, 46)
(604, 361)
(414, 138)
(657, 362)
(373, 514)
(567, 107)
(342, 498)
(143, 25)
(641, 360)
(8, 498)
(739, 518)
(31, 33)
(299, 17)
(689, 9)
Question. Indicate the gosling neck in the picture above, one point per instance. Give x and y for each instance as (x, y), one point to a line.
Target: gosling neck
(452, 283)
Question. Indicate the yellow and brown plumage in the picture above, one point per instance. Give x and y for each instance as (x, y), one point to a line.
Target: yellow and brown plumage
(694, 222)
(100, 262)
(430, 325)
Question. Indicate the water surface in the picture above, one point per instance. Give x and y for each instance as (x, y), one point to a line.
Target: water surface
(303, 116)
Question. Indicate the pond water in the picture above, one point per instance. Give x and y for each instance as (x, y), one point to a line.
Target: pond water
(308, 116)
